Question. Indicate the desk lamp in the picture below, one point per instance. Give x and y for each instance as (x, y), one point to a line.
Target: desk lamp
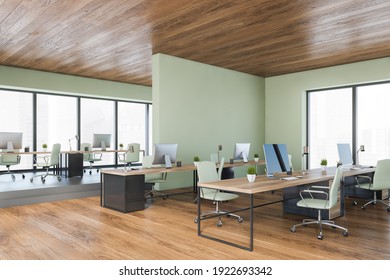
(70, 145)
(305, 152)
(357, 154)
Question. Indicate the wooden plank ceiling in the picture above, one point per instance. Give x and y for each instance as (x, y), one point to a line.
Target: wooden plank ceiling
(115, 39)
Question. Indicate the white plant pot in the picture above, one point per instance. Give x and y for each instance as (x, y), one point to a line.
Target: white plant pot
(251, 177)
(196, 163)
(323, 167)
(256, 159)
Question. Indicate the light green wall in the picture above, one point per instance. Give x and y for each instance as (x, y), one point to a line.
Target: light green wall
(24, 79)
(285, 98)
(200, 106)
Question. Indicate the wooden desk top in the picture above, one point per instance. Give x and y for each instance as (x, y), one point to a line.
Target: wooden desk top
(184, 167)
(263, 184)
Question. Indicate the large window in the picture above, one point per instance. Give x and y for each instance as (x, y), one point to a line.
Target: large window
(56, 120)
(98, 117)
(357, 115)
(16, 115)
(373, 122)
(50, 118)
(131, 124)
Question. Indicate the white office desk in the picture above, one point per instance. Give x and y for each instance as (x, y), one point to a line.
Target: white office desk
(264, 184)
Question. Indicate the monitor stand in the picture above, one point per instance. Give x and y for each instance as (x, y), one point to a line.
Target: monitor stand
(168, 163)
(103, 145)
(10, 146)
(244, 157)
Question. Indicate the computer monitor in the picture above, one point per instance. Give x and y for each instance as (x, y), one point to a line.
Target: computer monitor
(241, 151)
(276, 159)
(165, 154)
(11, 140)
(102, 141)
(345, 154)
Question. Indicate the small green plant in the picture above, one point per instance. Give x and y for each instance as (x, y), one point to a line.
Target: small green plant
(44, 146)
(256, 155)
(196, 158)
(251, 170)
(324, 161)
(120, 145)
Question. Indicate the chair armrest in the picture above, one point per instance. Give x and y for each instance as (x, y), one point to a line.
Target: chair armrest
(311, 192)
(320, 187)
(363, 177)
(97, 155)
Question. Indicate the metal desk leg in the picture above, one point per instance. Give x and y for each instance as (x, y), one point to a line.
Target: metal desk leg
(199, 219)
(251, 222)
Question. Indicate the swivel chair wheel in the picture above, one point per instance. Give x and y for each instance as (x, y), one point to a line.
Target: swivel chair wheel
(240, 220)
(13, 177)
(293, 229)
(43, 180)
(219, 223)
(373, 203)
(363, 207)
(31, 180)
(97, 170)
(84, 170)
(320, 237)
(164, 197)
(196, 220)
(59, 179)
(90, 172)
(354, 203)
(345, 233)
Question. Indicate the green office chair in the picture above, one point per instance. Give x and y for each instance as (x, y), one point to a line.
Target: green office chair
(8, 160)
(130, 156)
(91, 158)
(48, 161)
(207, 172)
(380, 181)
(321, 198)
(152, 179)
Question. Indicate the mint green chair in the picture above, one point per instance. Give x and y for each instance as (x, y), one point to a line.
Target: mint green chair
(91, 158)
(321, 198)
(380, 181)
(9, 160)
(153, 179)
(47, 162)
(131, 155)
(207, 172)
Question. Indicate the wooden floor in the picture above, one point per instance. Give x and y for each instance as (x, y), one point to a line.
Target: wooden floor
(80, 229)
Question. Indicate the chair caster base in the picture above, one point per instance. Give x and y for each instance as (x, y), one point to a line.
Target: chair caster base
(345, 233)
(320, 237)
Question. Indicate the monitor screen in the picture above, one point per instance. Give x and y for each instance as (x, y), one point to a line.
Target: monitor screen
(241, 151)
(11, 140)
(276, 158)
(345, 154)
(102, 141)
(165, 154)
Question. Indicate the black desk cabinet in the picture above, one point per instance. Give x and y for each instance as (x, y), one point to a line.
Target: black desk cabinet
(123, 193)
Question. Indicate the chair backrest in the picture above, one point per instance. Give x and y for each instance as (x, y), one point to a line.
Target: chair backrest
(220, 168)
(10, 158)
(335, 186)
(147, 162)
(207, 171)
(290, 162)
(132, 153)
(86, 147)
(214, 157)
(55, 154)
(381, 178)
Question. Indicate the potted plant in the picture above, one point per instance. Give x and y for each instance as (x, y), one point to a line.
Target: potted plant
(196, 160)
(323, 163)
(121, 146)
(256, 157)
(251, 174)
(44, 147)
